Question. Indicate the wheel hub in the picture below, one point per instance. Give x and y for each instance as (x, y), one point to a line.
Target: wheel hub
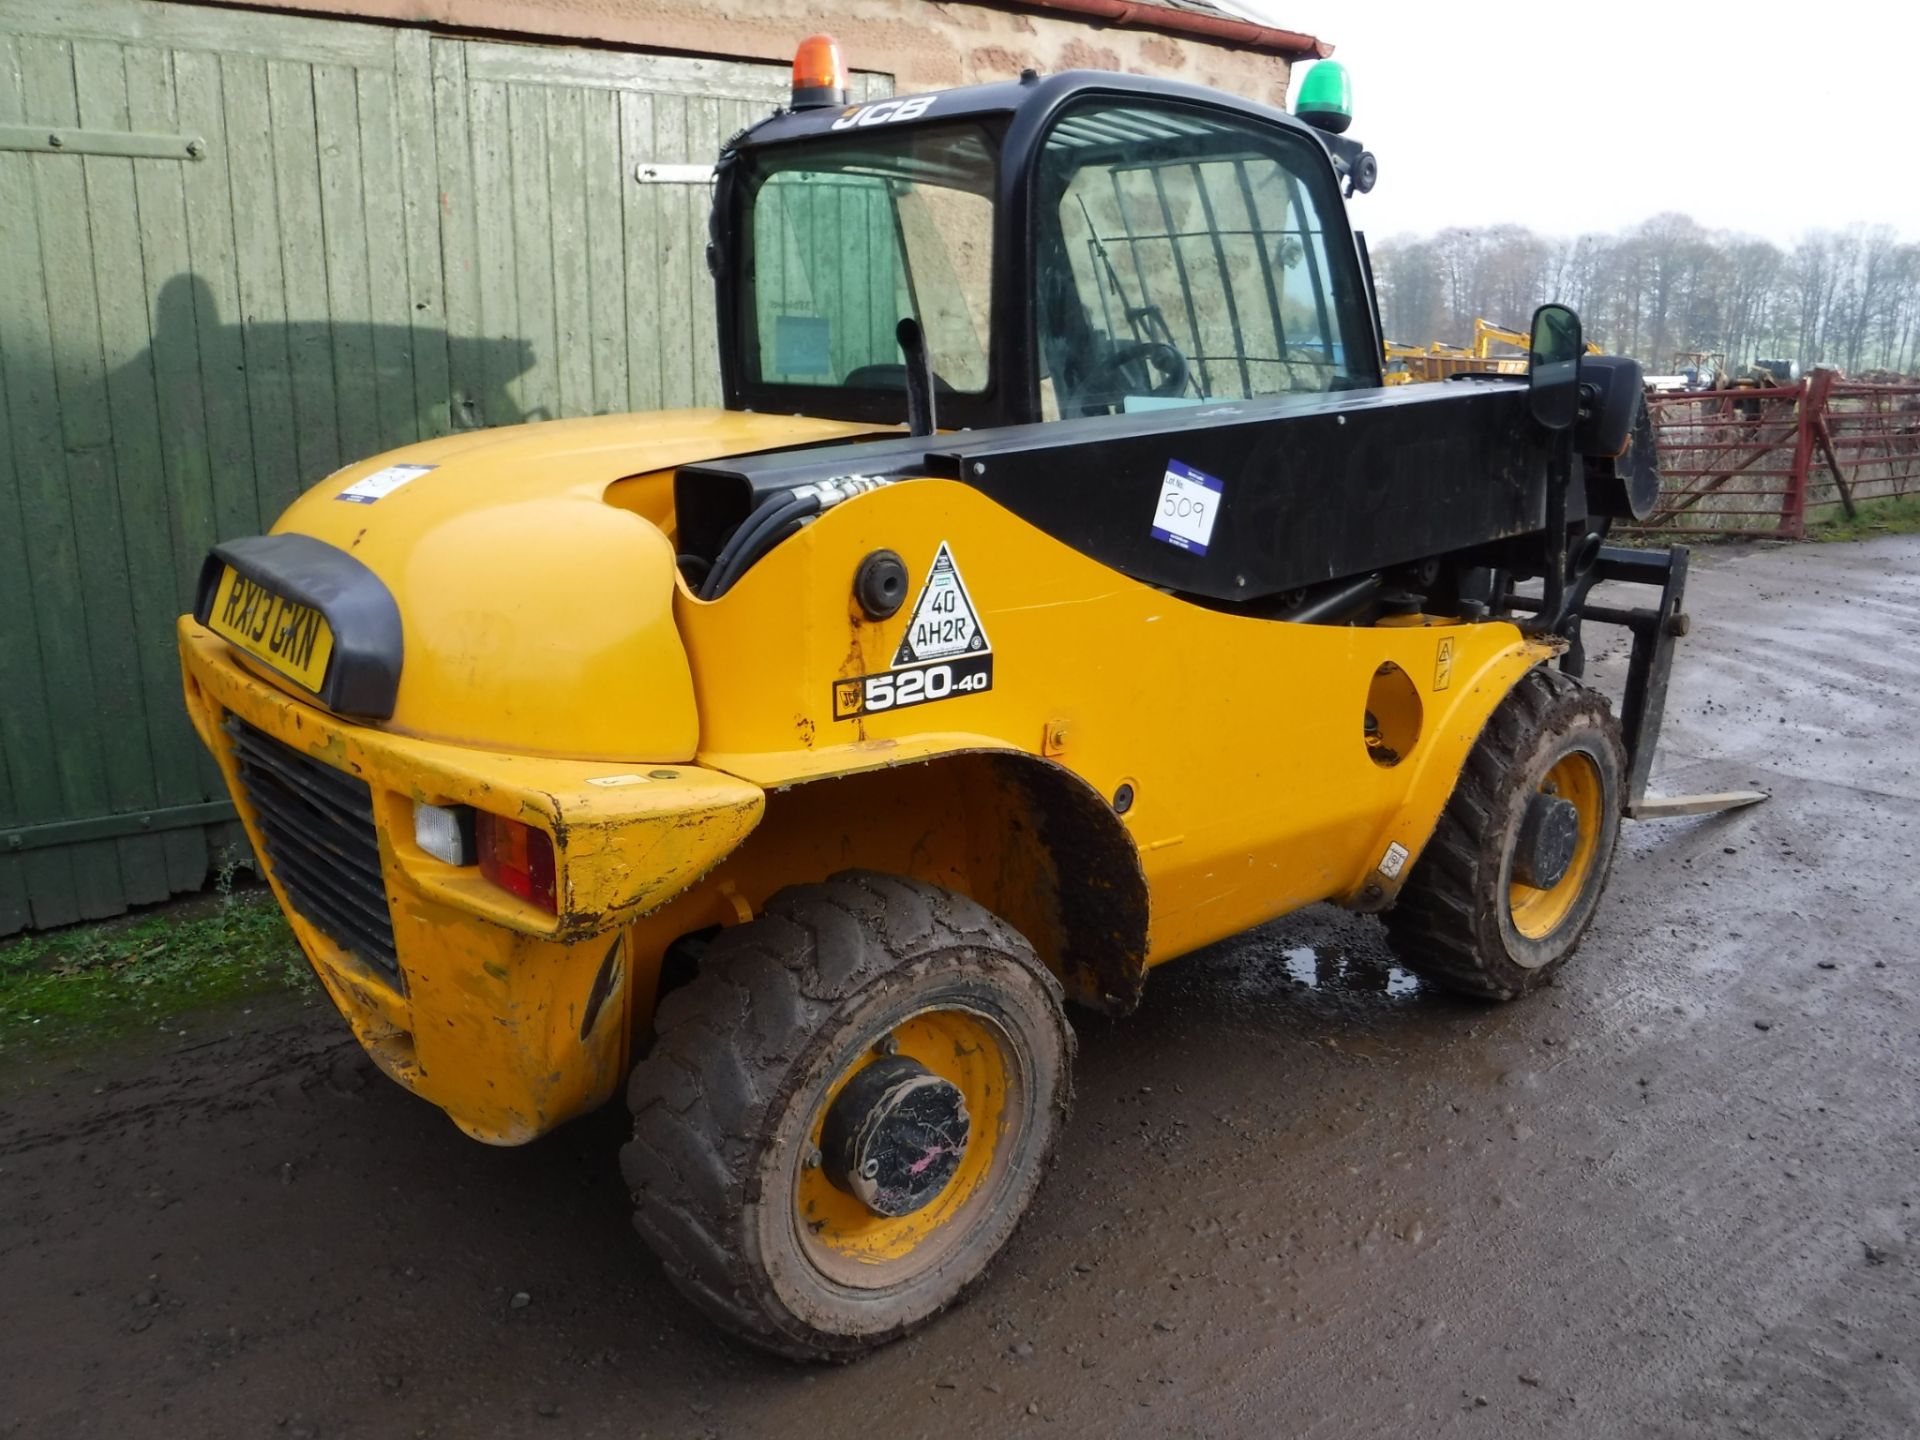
(1549, 836)
(894, 1135)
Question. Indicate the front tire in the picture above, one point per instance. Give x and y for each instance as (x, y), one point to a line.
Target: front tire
(846, 1113)
(1542, 788)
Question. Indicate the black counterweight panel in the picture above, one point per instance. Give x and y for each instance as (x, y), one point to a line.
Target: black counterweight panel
(1313, 487)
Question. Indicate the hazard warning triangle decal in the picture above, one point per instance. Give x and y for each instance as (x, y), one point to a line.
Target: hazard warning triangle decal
(944, 622)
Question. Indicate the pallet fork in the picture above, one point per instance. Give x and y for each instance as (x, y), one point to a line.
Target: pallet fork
(1644, 702)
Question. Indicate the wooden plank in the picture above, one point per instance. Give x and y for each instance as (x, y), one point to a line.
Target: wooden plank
(294, 140)
(167, 443)
(566, 120)
(188, 774)
(885, 303)
(25, 737)
(133, 144)
(822, 205)
(459, 235)
(16, 912)
(420, 219)
(343, 231)
(143, 871)
(703, 144)
(397, 420)
(605, 180)
(126, 544)
(216, 312)
(23, 718)
(88, 686)
(640, 206)
(223, 382)
(19, 651)
(186, 859)
(160, 421)
(228, 849)
(39, 572)
(498, 348)
(673, 265)
(195, 27)
(533, 250)
(769, 85)
(261, 316)
(856, 255)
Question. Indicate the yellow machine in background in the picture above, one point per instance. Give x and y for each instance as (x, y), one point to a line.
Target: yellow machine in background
(1409, 364)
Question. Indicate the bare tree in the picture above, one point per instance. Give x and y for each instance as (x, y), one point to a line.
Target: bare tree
(1849, 298)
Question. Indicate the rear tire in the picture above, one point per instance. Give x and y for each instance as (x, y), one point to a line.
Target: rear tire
(731, 1104)
(1464, 921)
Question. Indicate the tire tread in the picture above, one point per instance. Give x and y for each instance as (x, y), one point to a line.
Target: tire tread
(1441, 926)
(725, 1043)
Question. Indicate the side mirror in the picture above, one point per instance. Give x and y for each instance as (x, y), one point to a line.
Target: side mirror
(1553, 380)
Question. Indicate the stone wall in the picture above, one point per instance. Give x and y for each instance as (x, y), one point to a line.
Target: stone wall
(924, 44)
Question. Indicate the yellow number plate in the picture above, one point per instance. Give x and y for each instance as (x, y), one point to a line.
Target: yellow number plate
(294, 639)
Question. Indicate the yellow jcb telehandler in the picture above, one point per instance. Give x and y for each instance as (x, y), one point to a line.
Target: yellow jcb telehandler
(1059, 591)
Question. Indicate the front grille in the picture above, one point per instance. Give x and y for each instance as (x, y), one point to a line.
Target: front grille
(316, 824)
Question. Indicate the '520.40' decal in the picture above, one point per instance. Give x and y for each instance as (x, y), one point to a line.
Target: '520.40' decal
(912, 685)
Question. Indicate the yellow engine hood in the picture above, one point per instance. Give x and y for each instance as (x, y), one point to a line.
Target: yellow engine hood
(535, 592)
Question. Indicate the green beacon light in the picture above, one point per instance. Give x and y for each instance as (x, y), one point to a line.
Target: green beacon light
(1326, 98)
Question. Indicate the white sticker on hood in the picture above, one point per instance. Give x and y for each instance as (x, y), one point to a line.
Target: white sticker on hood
(369, 488)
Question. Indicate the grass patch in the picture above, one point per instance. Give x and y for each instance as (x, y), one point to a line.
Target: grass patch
(1895, 515)
(92, 981)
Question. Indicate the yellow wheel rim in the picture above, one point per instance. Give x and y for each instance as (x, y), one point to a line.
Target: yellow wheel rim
(1538, 911)
(849, 1242)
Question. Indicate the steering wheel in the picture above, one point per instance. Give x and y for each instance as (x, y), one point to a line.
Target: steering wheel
(1118, 372)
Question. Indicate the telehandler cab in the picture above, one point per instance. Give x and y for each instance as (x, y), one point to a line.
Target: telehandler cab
(1060, 590)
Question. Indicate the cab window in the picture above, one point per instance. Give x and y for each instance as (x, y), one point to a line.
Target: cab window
(851, 235)
(1184, 256)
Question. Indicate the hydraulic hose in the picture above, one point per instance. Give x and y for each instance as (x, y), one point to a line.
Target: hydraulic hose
(767, 526)
(755, 535)
(1334, 600)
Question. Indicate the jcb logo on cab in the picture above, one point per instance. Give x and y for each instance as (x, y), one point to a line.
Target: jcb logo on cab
(885, 112)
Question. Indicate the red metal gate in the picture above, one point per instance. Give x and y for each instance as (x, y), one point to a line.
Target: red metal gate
(1761, 461)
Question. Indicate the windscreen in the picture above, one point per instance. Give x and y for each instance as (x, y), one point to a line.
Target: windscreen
(851, 234)
(1190, 262)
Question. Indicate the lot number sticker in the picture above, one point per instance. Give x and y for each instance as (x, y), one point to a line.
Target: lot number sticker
(380, 484)
(1188, 505)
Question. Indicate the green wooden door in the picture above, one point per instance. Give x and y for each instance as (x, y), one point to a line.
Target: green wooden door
(265, 246)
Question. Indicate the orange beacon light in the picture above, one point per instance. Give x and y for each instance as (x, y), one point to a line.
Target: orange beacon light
(819, 74)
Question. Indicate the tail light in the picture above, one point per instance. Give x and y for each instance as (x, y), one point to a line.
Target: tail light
(518, 858)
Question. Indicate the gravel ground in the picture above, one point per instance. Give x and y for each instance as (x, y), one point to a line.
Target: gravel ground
(1673, 1195)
